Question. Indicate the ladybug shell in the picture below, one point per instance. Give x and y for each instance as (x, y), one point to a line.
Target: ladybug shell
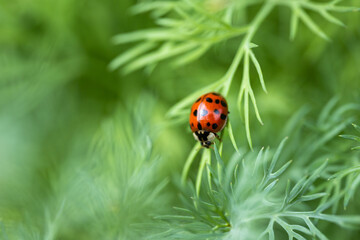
(209, 113)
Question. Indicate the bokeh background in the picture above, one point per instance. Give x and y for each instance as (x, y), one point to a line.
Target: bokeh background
(83, 150)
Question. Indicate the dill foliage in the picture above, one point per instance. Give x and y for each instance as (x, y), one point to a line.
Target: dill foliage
(265, 195)
(87, 152)
(188, 29)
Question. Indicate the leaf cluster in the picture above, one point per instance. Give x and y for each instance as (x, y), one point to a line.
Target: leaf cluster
(188, 29)
(247, 198)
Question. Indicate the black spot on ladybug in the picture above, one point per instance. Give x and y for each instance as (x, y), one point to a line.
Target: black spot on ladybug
(209, 99)
(214, 126)
(198, 99)
(223, 116)
(203, 112)
(216, 111)
(195, 112)
(199, 126)
(223, 103)
(192, 124)
(217, 101)
(208, 124)
(216, 94)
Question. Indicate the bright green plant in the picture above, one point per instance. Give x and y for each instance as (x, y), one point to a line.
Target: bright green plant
(188, 29)
(251, 199)
(87, 153)
(353, 137)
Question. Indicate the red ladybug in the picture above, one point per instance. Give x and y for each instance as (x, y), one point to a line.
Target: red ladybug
(208, 116)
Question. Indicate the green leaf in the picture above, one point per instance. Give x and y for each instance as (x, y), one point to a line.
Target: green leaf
(155, 34)
(331, 18)
(258, 160)
(311, 24)
(345, 172)
(232, 138)
(205, 159)
(253, 100)
(294, 24)
(295, 191)
(189, 161)
(357, 127)
(149, 6)
(247, 120)
(268, 188)
(324, 114)
(351, 137)
(281, 170)
(315, 231)
(166, 51)
(312, 197)
(192, 55)
(351, 191)
(130, 55)
(258, 69)
(276, 156)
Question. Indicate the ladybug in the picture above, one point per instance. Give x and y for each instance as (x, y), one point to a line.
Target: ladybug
(207, 117)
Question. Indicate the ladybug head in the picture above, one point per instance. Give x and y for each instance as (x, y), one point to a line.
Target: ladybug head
(206, 144)
(204, 137)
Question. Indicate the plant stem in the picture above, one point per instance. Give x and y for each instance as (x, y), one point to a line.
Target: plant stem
(254, 26)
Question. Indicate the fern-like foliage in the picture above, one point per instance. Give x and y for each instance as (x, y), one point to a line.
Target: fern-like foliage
(353, 137)
(250, 199)
(311, 141)
(113, 190)
(188, 29)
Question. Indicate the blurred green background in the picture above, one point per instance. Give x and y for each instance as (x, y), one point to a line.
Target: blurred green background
(83, 149)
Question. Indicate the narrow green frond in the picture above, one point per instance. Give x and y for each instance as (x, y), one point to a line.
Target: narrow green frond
(228, 77)
(312, 197)
(258, 160)
(354, 185)
(351, 137)
(311, 24)
(247, 120)
(331, 18)
(314, 230)
(252, 45)
(245, 84)
(345, 172)
(258, 69)
(166, 51)
(253, 100)
(357, 127)
(191, 56)
(281, 170)
(232, 137)
(189, 161)
(276, 156)
(269, 187)
(271, 230)
(294, 24)
(149, 6)
(220, 164)
(325, 113)
(130, 55)
(156, 34)
(205, 159)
